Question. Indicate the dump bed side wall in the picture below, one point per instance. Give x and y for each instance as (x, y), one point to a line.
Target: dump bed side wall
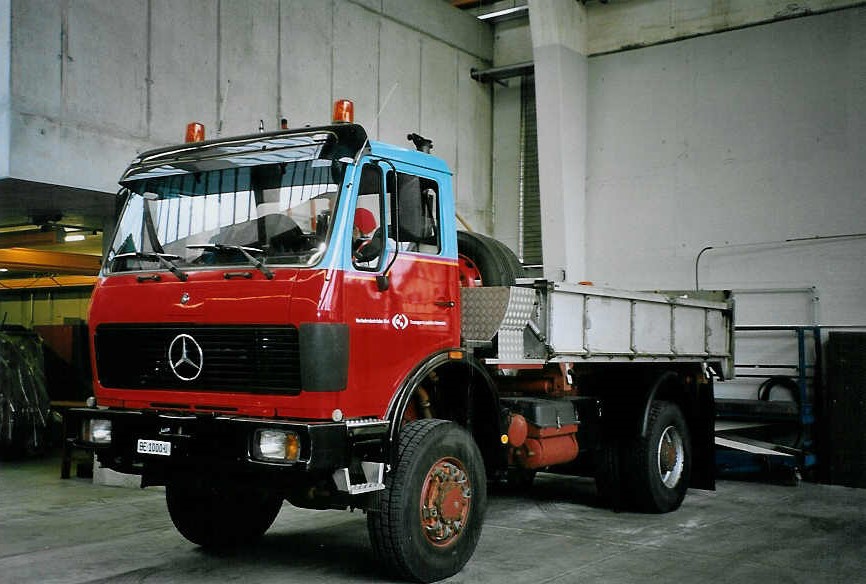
(603, 324)
(589, 324)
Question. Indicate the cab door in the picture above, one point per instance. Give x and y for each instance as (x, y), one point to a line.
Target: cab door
(401, 292)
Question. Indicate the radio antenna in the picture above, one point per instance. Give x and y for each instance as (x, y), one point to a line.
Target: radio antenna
(387, 99)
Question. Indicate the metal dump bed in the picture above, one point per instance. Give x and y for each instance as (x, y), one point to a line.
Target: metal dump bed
(543, 321)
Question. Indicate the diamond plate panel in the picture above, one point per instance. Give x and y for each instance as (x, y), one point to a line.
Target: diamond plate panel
(520, 306)
(487, 312)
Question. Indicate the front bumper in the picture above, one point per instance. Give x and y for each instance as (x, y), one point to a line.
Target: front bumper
(224, 444)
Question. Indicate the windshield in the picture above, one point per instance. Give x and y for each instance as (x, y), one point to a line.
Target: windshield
(275, 213)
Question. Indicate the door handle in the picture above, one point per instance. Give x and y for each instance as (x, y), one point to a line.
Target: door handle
(445, 303)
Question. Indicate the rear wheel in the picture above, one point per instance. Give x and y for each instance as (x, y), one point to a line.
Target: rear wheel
(429, 517)
(220, 516)
(659, 464)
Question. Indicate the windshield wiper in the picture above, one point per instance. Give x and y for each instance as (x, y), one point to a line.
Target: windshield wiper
(164, 259)
(245, 251)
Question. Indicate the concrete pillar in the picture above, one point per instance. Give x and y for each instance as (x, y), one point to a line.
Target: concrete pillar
(559, 45)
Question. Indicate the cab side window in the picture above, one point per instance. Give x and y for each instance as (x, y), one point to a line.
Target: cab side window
(417, 219)
(368, 237)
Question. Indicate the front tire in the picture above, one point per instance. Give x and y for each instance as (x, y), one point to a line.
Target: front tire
(659, 465)
(429, 517)
(219, 516)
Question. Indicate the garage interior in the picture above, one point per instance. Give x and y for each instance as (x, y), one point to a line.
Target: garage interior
(634, 144)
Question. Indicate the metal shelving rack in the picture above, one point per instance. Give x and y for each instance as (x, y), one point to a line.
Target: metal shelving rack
(741, 454)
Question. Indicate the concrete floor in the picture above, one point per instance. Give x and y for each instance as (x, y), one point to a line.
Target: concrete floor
(53, 530)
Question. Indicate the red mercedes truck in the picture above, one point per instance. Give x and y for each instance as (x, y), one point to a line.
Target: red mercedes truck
(294, 316)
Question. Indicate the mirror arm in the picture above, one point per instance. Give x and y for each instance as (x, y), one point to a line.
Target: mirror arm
(383, 282)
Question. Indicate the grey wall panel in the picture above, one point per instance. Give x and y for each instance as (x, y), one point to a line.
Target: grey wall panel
(36, 64)
(439, 98)
(5, 83)
(79, 156)
(399, 83)
(473, 181)
(306, 29)
(512, 42)
(371, 4)
(106, 81)
(356, 61)
(506, 157)
(249, 71)
(183, 67)
(614, 26)
(738, 138)
(459, 29)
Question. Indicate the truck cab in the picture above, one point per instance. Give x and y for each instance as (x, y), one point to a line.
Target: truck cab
(250, 266)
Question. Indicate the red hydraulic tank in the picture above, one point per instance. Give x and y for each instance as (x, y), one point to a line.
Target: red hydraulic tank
(547, 447)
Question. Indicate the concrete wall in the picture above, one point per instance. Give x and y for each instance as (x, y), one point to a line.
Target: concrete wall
(5, 61)
(95, 82)
(743, 137)
(512, 44)
(619, 25)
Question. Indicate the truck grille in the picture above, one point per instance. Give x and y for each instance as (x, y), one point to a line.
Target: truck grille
(256, 359)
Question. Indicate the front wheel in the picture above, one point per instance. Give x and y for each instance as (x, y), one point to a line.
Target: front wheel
(428, 519)
(659, 465)
(217, 515)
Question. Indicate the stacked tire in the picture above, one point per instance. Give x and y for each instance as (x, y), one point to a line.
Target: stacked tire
(485, 261)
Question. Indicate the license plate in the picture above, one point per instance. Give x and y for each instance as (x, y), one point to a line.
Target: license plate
(154, 447)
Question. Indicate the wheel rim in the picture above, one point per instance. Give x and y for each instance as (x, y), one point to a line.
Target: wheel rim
(470, 275)
(446, 499)
(671, 457)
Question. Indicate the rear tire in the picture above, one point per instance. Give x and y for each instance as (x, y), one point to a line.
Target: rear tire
(428, 519)
(658, 465)
(608, 479)
(218, 516)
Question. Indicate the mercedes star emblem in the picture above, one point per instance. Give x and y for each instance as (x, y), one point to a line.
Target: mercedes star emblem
(185, 357)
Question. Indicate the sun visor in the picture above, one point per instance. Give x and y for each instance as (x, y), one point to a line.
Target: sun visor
(326, 143)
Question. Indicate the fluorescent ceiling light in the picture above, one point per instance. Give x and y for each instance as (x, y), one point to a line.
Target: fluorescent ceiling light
(501, 13)
(74, 237)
